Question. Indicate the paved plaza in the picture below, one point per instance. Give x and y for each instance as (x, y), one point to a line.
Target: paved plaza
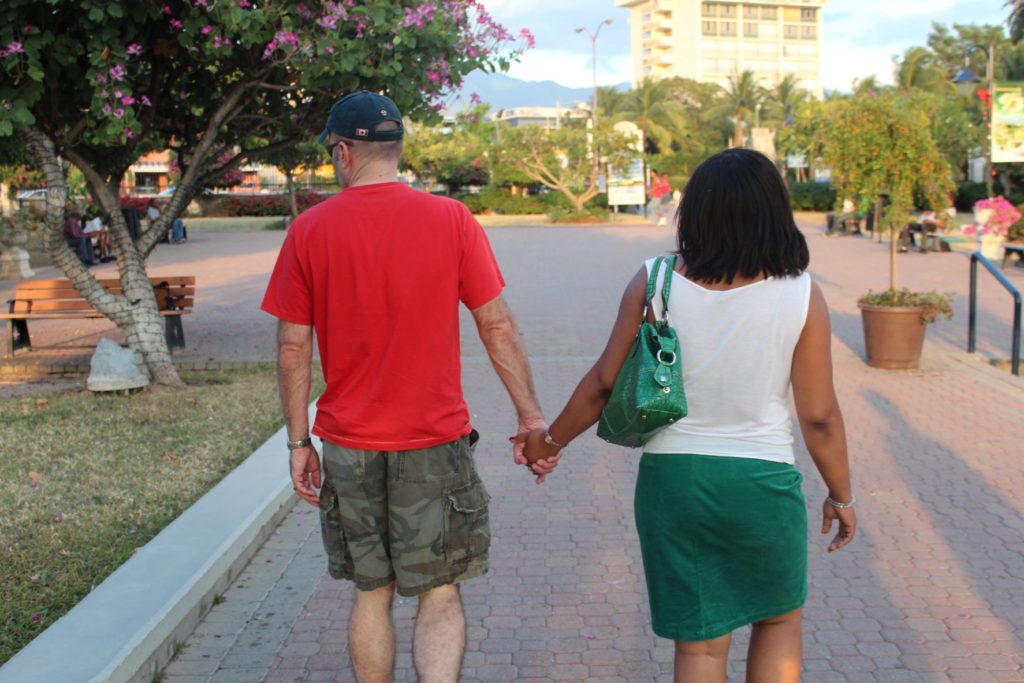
(932, 589)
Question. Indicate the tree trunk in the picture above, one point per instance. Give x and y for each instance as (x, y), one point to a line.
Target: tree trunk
(289, 182)
(894, 238)
(737, 138)
(134, 310)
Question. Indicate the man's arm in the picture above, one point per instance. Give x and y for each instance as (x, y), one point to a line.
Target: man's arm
(500, 334)
(294, 370)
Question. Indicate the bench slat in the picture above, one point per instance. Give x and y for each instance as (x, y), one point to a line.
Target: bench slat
(45, 306)
(68, 316)
(64, 282)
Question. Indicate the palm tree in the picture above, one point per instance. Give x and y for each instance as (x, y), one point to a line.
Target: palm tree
(1016, 20)
(609, 100)
(738, 101)
(656, 110)
(918, 70)
(783, 99)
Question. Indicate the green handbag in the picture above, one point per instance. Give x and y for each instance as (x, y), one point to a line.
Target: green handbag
(648, 394)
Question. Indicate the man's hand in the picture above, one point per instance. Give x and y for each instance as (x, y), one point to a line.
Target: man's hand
(536, 454)
(305, 471)
(518, 446)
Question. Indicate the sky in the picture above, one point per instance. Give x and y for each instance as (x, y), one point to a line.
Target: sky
(860, 36)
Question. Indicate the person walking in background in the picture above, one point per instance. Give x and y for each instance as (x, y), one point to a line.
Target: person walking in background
(661, 190)
(719, 508)
(377, 272)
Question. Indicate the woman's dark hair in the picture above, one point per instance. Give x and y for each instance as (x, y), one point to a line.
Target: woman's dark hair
(735, 219)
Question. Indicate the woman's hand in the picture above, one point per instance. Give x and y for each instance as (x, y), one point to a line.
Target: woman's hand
(847, 525)
(541, 457)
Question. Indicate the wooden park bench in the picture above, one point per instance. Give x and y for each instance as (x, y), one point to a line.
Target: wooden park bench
(58, 300)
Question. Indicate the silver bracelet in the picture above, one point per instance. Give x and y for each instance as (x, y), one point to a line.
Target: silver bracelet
(840, 506)
(551, 442)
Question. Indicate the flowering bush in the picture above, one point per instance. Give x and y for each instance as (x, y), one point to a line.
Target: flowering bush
(23, 220)
(992, 217)
(268, 205)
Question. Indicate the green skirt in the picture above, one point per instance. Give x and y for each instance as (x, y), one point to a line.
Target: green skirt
(724, 542)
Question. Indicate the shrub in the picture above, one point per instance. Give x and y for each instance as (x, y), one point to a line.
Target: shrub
(812, 196)
(588, 215)
(138, 203)
(968, 193)
(934, 303)
(268, 204)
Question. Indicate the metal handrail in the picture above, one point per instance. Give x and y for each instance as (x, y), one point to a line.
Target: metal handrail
(972, 319)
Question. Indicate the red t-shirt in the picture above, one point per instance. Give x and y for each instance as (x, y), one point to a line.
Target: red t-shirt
(379, 271)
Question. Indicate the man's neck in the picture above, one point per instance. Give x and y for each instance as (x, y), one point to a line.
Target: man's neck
(374, 175)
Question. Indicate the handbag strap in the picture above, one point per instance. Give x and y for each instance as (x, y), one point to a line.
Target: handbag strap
(666, 286)
(652, 281)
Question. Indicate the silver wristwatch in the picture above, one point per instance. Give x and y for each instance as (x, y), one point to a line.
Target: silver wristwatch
(299, 443)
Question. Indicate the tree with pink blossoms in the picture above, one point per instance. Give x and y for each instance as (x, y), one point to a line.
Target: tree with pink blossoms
(219, 82)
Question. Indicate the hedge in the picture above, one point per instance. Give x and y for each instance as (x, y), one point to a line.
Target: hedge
(812, 196)
(267, 205)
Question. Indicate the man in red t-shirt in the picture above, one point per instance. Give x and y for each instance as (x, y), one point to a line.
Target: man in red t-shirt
(377, 273)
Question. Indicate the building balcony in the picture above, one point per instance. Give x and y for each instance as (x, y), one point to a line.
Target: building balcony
(630, 3)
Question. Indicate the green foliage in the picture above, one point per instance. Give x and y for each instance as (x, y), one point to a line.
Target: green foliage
(739, 102)
(934, 303)
(493, 199)
(968, 193)
(812, 196)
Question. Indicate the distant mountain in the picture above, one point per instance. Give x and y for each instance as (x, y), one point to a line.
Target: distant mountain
(503, 92)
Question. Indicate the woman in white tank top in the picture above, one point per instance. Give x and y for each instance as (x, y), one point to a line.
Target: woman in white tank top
(719, 508)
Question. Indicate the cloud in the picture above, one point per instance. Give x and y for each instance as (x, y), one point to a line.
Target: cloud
(572, 68)
(844, 60)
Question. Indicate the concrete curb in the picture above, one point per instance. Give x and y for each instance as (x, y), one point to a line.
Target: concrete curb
(127, 628)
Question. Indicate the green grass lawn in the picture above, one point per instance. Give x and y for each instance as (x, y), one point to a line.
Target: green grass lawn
(88, 479)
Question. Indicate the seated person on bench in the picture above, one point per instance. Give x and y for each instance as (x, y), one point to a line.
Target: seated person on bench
(78, 240)
(95, 229)
(841, 222)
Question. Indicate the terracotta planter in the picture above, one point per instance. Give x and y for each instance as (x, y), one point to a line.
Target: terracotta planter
(893, 336)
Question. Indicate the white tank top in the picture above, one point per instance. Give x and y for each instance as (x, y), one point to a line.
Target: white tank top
(737, 354)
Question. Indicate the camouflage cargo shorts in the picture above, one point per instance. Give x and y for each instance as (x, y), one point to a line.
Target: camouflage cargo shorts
(418, 518)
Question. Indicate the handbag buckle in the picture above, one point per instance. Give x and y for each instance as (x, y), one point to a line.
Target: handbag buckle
(661, 360)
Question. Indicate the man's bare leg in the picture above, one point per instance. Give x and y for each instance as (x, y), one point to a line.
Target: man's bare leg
(439, 640)
(371, 635)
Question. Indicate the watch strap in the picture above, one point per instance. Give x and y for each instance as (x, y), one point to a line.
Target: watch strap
(299, 443)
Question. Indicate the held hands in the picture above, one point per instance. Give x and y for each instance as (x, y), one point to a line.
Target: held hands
(531, 450)
(305, 470)
(847, 525)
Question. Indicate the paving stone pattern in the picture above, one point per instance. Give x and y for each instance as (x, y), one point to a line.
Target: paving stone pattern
(931, 590)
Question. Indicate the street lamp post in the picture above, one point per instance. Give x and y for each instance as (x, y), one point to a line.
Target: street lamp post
(593, 52)
(965, 82)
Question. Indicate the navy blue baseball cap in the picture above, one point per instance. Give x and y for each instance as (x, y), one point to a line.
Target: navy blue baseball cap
(356, 116)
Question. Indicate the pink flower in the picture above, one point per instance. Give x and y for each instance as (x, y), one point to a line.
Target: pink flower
(244, 4)
(200, 3)
(36, 617)
(206, 29)
(145, 101)
(14, 47)
(100, 78)
(29, 28)
(176, 23)
(127, 100)
(117, 94)
(166, 9)
(128, 133)
(134, 49)
(117, 72)
(433, 76)
(531, 42)
(107, 109)
(329, 50)
(104, 93)
(118, 113)
(474, 98)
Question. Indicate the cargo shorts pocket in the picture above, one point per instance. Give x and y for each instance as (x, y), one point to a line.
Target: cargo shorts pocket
(467, 530)
(339, 559)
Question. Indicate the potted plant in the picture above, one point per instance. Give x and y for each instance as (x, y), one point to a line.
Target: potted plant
(881, 145)
(993, 219)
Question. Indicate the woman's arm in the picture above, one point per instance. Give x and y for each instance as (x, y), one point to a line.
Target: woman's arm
(821, 420)
(586, 403)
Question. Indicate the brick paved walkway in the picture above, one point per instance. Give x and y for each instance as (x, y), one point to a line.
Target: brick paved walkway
(930, 591)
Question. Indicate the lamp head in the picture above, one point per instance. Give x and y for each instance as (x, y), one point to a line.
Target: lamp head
(607, 21)
(965, 81)
(579, 30)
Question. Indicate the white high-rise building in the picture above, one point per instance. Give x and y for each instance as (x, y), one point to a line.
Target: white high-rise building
(711, 41)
